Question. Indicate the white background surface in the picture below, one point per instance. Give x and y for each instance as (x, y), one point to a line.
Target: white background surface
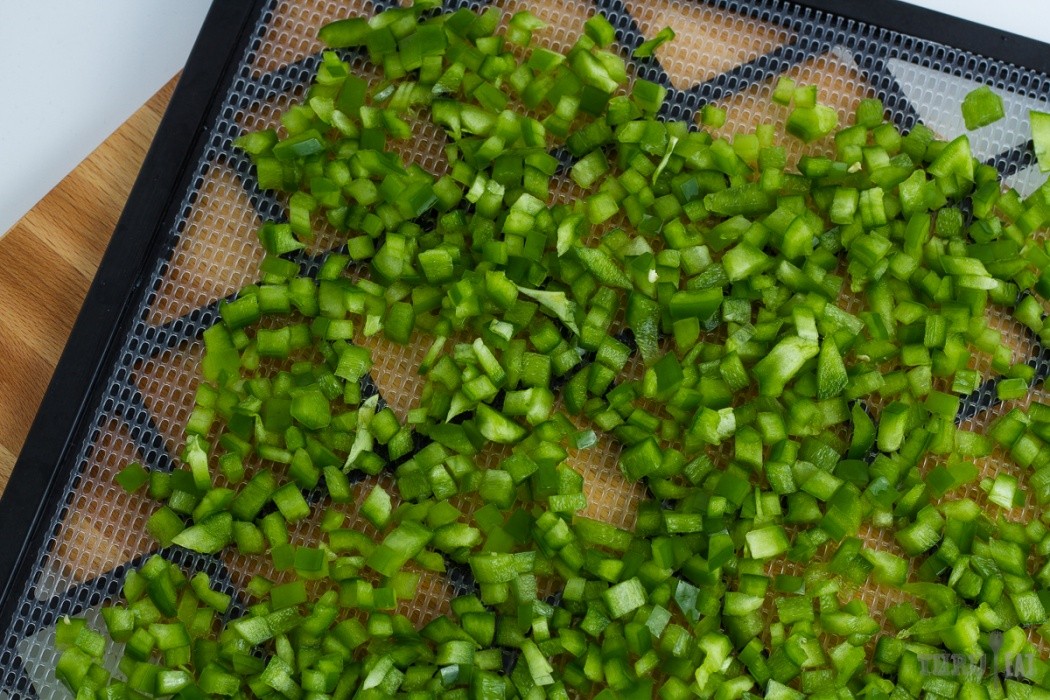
(71, 71)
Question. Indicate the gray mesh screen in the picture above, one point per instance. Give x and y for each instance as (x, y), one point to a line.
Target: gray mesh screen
(728, 52)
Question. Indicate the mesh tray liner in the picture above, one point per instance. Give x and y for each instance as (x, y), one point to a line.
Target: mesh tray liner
(727, 52)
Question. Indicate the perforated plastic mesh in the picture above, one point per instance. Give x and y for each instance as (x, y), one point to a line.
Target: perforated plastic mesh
(727, 52)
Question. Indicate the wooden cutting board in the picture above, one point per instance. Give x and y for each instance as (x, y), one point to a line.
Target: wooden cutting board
(47, 262)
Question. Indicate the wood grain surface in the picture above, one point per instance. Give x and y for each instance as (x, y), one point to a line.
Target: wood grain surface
(47, 262)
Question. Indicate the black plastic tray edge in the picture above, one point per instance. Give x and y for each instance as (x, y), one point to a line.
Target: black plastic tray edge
(58, 420)
(956, 32)
(158, 190)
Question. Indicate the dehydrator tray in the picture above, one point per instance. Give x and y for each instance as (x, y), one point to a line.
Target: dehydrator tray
(186, 240)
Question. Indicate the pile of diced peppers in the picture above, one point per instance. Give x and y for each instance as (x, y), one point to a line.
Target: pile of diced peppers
(772, 427)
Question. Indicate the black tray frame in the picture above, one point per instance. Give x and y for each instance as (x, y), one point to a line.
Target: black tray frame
(44, 463)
